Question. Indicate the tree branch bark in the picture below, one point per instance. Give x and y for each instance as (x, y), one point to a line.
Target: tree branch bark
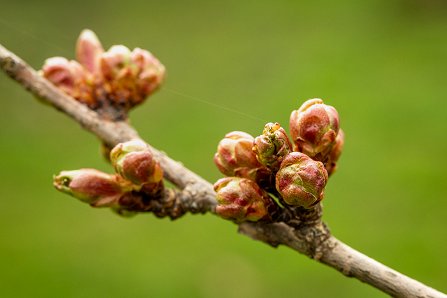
(197, 195)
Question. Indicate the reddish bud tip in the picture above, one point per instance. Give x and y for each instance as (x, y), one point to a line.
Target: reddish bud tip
(89, 50)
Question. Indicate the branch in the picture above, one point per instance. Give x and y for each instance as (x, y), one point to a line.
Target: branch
(311, 238)
(336, 254)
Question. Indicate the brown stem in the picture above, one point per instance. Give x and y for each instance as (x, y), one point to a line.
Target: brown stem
(167, 202)
(197, 195)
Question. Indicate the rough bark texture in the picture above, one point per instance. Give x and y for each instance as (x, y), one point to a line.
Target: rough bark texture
(318, 244)
(307, 235)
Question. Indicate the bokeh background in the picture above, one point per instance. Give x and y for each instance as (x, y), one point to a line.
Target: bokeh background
(232, 65)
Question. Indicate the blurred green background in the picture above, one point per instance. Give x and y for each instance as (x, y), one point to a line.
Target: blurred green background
(382, 64)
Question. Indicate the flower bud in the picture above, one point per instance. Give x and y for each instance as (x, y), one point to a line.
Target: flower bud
(134, 162)
(235, 157)
(314, 127)
(241, 199)
(90, 186)
(272, 146)
(301, 180)
(334, 155)
(114, 63)
(89, 50)
(149, 71)
(123, 148)
(129, 77)
(71, 78)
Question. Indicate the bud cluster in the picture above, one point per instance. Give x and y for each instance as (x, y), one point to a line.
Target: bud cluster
(272, 165)
(138, 179)
(117, 77)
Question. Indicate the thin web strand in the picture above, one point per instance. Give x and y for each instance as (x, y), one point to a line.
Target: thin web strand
(214, 104)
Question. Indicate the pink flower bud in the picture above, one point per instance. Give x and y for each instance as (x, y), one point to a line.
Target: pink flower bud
(123, 148)
(70, 77)
(89, 50)
(134, 162)
(301, 180)
(314, 128)
(130, 77)
(241, 199)
(114, 62)
(272, 146)
(90, 186)
(150, 72)
(235, 157)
